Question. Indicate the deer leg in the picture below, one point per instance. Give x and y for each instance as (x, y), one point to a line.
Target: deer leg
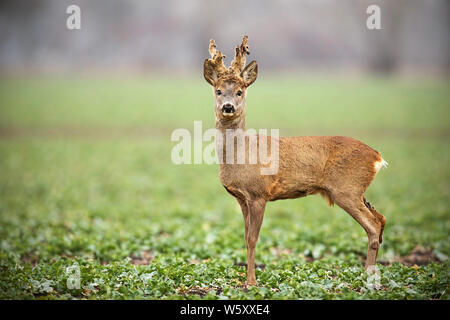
(253, 225)
(245, 212)
(244, 208)
(378, 216)
(370, 222)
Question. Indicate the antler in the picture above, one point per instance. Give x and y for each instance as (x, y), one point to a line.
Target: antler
(216, 57)
(238, 63)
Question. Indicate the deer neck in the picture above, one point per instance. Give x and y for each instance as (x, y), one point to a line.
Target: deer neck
(234, 124)
(237, 128)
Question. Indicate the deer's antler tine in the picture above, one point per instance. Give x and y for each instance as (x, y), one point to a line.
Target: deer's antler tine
(244, 45)
(216, 57)
(238, 63)
(212, 48)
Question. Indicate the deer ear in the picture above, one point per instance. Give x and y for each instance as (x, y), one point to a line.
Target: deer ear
(209, 72)
(250, 73)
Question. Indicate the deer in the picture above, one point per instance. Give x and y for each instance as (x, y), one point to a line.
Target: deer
(337, 167)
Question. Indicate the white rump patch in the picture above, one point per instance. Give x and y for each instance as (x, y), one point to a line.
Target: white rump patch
(379, 164)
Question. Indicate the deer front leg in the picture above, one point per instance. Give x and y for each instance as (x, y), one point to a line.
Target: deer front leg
(244, 208)
(253, 223)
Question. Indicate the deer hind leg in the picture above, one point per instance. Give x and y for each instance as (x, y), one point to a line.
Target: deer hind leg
(356, 207)
(253, 221)
(381, 219)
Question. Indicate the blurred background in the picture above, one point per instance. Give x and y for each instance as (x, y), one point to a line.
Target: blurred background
(173, 35)
(86, 118)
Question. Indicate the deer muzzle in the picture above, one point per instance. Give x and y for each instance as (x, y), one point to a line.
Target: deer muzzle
(228, 109)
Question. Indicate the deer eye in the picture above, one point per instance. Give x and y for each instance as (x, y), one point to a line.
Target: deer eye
(239, 93)
(219, 92)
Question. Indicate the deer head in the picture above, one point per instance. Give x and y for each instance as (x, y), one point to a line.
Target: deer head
(229, 84)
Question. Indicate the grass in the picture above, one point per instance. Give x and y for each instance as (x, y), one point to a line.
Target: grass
(77, 189)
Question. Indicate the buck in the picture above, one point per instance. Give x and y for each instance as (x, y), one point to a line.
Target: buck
(338, 168)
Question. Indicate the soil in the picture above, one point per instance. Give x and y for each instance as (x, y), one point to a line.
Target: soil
(419, 256)
(200, 291)
(257, 266)
(30, 258)
(143, 259)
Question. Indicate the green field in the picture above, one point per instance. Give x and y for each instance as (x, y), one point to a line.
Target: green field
(86, 180)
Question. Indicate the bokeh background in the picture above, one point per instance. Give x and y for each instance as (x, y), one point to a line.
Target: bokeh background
(85, 170)
(150, 36)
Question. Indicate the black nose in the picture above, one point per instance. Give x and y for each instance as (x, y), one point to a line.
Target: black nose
(228, 108)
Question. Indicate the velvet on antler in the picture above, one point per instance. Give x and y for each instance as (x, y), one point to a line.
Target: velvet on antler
(216, 58)
(238, 63)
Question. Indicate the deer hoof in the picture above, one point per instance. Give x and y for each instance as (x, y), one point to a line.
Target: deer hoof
(370, 269)
(250, 283)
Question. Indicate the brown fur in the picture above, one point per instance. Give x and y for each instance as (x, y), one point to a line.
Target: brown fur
(338, 168)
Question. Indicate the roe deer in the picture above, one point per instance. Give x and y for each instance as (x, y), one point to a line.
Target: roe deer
(338, 168)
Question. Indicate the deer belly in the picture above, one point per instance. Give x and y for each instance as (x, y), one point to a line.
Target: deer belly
(283, 189)
(288, 194)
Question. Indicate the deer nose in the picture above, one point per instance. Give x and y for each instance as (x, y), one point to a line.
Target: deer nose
(228, 108)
